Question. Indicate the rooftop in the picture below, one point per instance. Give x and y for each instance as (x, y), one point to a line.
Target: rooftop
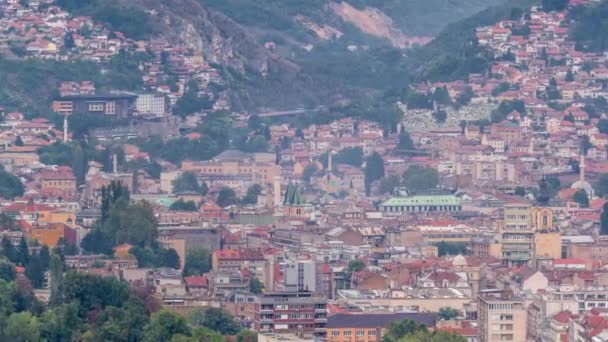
(422, 200)
(378, 320)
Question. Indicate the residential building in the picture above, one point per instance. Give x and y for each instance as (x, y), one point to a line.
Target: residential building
(291, 312)
(517, 234)
(151, 104)
(501, 317)
(370, 327)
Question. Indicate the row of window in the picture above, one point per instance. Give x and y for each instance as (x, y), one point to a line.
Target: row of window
(501, 306)
(358, 333)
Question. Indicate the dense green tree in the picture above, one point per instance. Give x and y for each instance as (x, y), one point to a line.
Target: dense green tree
(581, 197)
(465, 97)
(7, 270)
(163, 325)
(68, 41)
(9, 223)
(399, 329)
(226, 197)
(603, 126)
(192, 102)
(56, 281)
(590, 30)
(93, 292)
(418, 177)
(569, 76)
(374, 170)
(604, 220)
(554, 5)
(252, 194)
(34, 271)
(448, 313)
(547, 188)
(442, 96)
(197, 262)
(156, 256)
(507, 107)
(200, 334)
(356, 266)
(601, 187)
(22, 327)
(255, 286)
(419, 101)
(181, 205)
(110, 195)
(9, 250)
(121, 324)
(405, 141)
(350, 155)
(520, 191)
(61, 323)
(247, 335)
(440, 116)
(435, 336)
(131, 223)
(10, 185)
(552, 92)
(309, 170)
(19, 141)
(215, 319)
(23, 252)
(389, 184)
(45, 257)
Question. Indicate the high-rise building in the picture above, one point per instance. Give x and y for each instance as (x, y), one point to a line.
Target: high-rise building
(501, 317)
(517, 234)
(300, 275)
(301, 313)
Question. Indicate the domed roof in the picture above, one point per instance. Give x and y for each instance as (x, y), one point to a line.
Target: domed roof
(459, 260)
(583, 185)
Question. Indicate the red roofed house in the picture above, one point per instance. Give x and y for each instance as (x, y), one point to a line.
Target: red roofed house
(226, 259)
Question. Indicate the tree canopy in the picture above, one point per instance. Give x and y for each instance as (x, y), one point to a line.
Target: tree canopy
(10, 185)
(374, 170)
(418, 177)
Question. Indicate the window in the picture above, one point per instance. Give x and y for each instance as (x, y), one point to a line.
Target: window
(371, 333)
(360, 333)
(347, 333)
(335, 333)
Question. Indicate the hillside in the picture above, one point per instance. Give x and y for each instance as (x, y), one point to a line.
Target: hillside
(323, 53)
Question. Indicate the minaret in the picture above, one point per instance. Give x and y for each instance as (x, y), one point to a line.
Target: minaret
(65, 129)
(581, 167)
(329, 162)
(114, 164)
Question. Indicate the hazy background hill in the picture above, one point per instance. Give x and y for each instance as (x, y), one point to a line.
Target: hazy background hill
(292, 53)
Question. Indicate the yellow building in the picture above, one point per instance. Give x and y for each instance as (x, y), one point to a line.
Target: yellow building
(542, 218)
(235, 163)
(548, 244)
(66, 217)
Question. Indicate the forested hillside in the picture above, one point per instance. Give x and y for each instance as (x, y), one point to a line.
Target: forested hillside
(321, 58)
